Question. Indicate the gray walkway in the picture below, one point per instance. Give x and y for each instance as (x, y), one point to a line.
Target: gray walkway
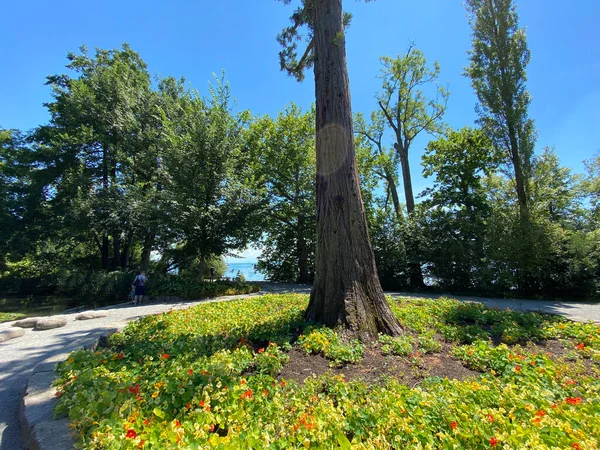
(18, 357)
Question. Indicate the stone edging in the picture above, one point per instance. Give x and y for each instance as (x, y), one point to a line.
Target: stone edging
(39, 429)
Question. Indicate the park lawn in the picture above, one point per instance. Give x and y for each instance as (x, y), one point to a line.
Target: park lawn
(227, 375)
(7, 317)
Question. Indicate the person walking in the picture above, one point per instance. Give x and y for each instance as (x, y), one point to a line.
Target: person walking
(140, 287)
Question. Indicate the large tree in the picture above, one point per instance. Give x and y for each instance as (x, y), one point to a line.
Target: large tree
(285, 155)
(346, 290)
(499, 58)
(407, 109)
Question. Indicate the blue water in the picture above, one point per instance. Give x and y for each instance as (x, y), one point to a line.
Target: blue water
(247, 269)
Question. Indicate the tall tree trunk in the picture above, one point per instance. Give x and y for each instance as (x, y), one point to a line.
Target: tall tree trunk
(125, 252)
(406, 178)
(395, 199)
(116, 261)
(520, 179)
(415, 273)
(302, 253)
(105, 253)
(146, 250)
(346, 290)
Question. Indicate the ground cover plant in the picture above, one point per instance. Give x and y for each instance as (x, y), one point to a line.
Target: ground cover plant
(218, 376)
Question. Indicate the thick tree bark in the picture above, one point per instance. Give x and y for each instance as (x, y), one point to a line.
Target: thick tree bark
(346, 290)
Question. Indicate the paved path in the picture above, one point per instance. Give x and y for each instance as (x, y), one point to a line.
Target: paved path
(19, 357)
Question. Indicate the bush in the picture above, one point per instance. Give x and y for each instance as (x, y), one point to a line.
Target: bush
(192, 288)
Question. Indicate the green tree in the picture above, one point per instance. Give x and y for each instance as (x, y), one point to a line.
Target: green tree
(89, 154)
(406, 108)
(346, 290)
(208, 195)
(499, 57)
(286, 165)
(457, 210)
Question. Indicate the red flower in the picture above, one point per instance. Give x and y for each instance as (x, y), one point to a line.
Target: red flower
(243, 382)
(283, 382)
(517, 368)
(490, 417)
(573, 400)
(261, 350)
(576, 446)
(454, 425)
(264, 392)
(202, 403)
(141, 444)
(120, 356)
(211, 428)
(580, 346)
(191, 371)
(131, 434)
(493, 441)
(177, 423)
(134, 389)
(247, 394)
(165, 356)
(540, 413)
(146, 422)
(188, 405)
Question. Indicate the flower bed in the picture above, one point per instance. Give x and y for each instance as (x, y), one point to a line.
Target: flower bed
(208, 377)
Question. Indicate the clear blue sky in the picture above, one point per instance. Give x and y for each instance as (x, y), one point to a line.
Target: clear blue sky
(196, 38)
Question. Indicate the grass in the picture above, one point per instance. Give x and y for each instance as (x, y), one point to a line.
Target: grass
(208, 377)
(7, 317)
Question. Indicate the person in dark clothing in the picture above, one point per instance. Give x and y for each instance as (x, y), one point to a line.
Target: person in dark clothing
(140, 287)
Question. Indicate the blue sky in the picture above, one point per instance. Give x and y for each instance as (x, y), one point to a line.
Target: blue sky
(196, 38)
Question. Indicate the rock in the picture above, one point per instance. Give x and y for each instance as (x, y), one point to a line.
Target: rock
(47, 323)
(87, 315)
(26, 323)
(6, 335)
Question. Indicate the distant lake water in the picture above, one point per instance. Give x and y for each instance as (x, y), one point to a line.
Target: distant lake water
(247, 269)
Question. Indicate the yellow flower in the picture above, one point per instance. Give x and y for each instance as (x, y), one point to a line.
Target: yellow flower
(155, 394)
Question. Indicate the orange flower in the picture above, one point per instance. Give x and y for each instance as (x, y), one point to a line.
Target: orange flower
(576, 446)
(517, 368)
(247, 394)
(131, 434)
(493, 441)
(490, 418)
(261, 350)
(580, 346)
(146, 422)
(201, 403)
(211, 428)
(540, 413)
(573, 400)
(454, 425)
(165, 356)
(283, 382)
(191, 371)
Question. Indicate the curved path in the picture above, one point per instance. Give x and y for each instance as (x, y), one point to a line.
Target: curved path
(20, 356)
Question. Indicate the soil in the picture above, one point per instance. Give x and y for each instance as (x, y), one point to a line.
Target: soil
(375, 366)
